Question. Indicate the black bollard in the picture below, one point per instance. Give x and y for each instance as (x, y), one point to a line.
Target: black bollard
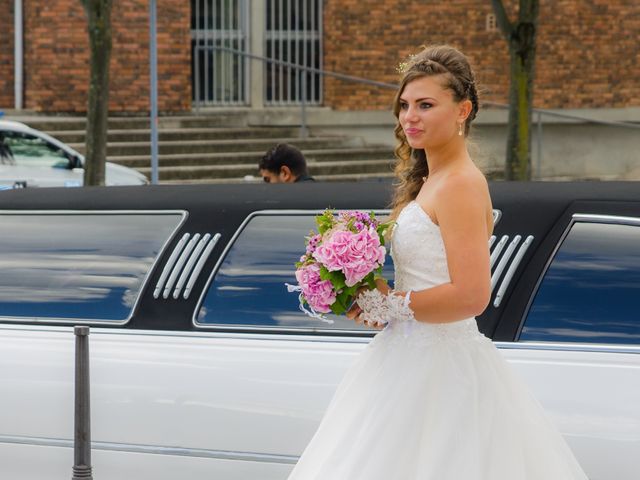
(82, 428)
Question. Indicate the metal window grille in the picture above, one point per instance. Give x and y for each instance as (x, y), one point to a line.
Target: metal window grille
(293, 34)
(219, 77)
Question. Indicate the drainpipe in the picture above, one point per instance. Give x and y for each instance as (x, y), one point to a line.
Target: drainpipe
(18, 53)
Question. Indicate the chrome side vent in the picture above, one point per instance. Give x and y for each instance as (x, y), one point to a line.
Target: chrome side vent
(495, 276)
(198, 268)
(497, 215)
(184, 265)
(511, 271)
(168, 267)
(498, 249)
(184, 256)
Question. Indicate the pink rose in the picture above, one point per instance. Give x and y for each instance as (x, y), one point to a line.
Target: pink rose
(355, 254)
(318, 293)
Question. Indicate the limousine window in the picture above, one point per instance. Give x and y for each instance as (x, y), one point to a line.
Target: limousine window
(248, 289)
(591, 289)
(78, 266)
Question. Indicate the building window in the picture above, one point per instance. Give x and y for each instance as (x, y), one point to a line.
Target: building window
(293, 35)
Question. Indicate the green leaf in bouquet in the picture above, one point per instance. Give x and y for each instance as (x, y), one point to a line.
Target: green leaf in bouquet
(336, 278)
(351, 291)
(344, 300)
(347, 295)
(370, 280)
(325, 221)
(382, 229)
(339, 306)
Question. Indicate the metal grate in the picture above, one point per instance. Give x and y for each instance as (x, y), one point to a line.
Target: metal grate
(184, 265)
(220, 78)
(293, 34)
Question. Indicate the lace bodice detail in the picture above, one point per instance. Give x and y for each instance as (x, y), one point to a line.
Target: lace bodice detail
(420, 262)
(418, 251)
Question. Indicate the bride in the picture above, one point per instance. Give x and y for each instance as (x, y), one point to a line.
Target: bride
(431, 398)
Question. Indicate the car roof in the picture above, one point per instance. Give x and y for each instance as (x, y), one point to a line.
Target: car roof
(15, 126)
(308, 195)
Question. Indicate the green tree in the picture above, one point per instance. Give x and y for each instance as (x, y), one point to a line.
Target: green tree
(99, 20)
(521, 37)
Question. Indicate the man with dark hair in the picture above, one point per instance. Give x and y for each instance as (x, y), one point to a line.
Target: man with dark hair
(284, 164)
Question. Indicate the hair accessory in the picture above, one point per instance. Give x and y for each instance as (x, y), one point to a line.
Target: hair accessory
(403, 67)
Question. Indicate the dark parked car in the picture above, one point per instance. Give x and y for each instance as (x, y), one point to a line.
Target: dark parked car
(202, 362)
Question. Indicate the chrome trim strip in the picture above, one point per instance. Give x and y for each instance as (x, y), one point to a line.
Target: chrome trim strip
(154, 449)
(497, 215)
(169, 265)
(588, 217)
(492, 240)
(504, 260)
(576, 217)
(511, 271)
(274, 334)
(81, 321)
(248, 333)
(570, 347)
(496, 251)
(186, 271)
(200, 265)
(179, 264)
(234, 237)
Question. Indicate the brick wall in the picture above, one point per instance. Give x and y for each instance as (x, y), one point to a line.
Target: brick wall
(588, 55)
(6, 55)
(57, 56)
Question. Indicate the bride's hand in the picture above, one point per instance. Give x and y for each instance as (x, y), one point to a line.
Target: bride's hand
(355, 313)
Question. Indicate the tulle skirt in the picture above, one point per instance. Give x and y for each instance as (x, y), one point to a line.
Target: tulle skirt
(435, 403)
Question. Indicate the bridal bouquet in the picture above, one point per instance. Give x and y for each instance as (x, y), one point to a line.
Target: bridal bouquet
(346, 253)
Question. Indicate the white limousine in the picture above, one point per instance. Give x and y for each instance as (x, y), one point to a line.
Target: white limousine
(202, 365)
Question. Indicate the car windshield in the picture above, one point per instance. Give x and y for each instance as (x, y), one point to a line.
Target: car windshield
(23, 149)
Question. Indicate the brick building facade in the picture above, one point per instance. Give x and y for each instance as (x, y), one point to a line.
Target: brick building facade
(588, 53)
(6, 55)
(56, 57)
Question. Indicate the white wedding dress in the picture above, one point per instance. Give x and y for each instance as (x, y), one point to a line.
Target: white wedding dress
(433, 401)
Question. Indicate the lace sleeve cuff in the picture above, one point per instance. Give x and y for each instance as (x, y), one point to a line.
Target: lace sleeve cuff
(385, 309)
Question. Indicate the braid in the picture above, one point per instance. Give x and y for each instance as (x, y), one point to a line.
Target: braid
(436, 60)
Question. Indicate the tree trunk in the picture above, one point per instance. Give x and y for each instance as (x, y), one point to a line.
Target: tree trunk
(521, 37)
(99, 19)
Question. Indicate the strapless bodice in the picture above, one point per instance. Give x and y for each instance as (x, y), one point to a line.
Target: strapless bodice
(418, 252)
(420, 262)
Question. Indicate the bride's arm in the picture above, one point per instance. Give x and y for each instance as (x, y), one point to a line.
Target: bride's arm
(461, 214)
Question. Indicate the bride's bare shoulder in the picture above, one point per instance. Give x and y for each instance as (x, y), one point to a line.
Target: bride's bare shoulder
(468, 181)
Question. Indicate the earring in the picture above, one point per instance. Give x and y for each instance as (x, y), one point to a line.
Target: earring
(459, 129)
